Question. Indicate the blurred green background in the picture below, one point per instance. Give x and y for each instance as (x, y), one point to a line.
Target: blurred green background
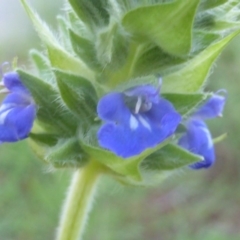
(192, 205)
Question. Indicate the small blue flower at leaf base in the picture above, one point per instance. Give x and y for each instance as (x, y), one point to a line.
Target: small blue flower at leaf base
(17, 111)
(135, 120)
(197, 138)
(213, 107)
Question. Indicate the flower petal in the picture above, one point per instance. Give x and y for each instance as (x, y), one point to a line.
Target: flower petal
(126, 141)
(17, 114)
(13, 83)
(164, 129)
(17, 123)
(212, 108)
(112, 108)
(121, 140)
(19, 99)
(198, 140)
(132, 127)
(158, 111)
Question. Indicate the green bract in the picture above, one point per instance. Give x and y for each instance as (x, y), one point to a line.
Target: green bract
(106, 45)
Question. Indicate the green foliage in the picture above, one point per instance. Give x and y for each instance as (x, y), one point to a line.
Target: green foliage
(212, 4)
(79, 95)
(168, 157)
(106, 45)
(58, 57)
(192, 77)
(93, 13)
(43, 66)
(84, 48)
(192, 206)
(124, 168)
(66, 153)
(50, 106)
(163, 25)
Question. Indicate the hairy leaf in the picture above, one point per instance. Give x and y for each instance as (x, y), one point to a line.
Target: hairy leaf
(192, 77)
(167, 25)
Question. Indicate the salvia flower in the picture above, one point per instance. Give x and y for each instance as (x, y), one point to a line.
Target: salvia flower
(197, 138)
(135, 120)
(17, 111)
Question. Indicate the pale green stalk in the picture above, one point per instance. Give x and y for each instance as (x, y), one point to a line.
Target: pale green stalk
(78, 202)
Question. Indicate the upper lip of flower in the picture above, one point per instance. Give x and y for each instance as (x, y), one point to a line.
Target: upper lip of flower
(16, 86)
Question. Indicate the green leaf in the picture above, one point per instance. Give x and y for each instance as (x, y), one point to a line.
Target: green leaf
(66, 153)
(155, 61)
(65, 62)
(192, 77)
(63, 27)
(221, 17)
(44, 138)
(92, 13)
(124, 167)
(217, 25)
(79, 95)
(168, 158)
(116, 164)
(185, 103)
(104, 44)
(206, 4)
(160, 164)
(221, 26)
(167, 25)
(42, 64)
(77, 25)
(112, 47)
(38, 149)
(84, 48)
(202, 39)
(59, 58)
(50, 110)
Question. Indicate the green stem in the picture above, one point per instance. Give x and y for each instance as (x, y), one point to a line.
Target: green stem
(78, 202)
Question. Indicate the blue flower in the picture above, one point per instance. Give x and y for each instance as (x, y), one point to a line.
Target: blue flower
(17, 111)
(213, 107)
(197, 138)
(135, 120)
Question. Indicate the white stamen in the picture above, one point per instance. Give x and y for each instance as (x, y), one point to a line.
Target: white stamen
(133, 122)
(159, 85)
(144, 123)
(159, 82)
(138, 105)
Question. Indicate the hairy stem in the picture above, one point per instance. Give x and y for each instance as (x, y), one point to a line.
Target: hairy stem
(78, 202)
